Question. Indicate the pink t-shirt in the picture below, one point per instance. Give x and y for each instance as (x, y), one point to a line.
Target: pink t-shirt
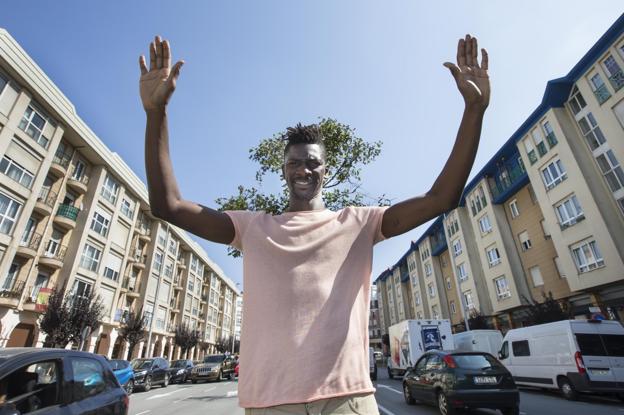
(306, 303)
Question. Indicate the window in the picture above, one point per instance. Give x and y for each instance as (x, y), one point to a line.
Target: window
(502, 289)
(539, 141)
(536, 275)
(110, 189)
(434, 312)
(468, 300)
(521, 348)
(611, 170)
(81, 289)
(478, 201)
(168, 269)
(587, 256)
(191, 284)
(16, 172)
(457, 247)
(431, 290)
(550, 134)
(448, 283)
(101, 222)
(89, 378)
(90, 257)
(173, 245)
(453, 309)
(113, 265)
(553, 174)
(461, 272)
(513, 208)
(417, 298)
(600, 89)
(504, 352)
(11, 276)
(9, 208)
(127, 208)
(54, 244)
(569, 212)
(591, 131)
(424, 254)
(530, 149)
(158, 261)
(525, 242)
(484, 224)
(428, 269)
(33, 388)
(493, 256)
(577, 102)
(80, 169)
(33, 123)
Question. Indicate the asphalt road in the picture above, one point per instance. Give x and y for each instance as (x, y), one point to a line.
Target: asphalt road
(221, 398)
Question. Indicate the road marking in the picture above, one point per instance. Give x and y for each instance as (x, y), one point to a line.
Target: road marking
(160, 395)
(231, 393)
(384, 410)
(209, 389)
(390, 388)
(144, 412)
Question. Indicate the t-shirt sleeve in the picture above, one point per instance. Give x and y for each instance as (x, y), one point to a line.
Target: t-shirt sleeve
(373, 220)
(242, 219)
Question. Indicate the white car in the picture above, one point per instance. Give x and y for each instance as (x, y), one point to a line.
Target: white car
(571, 355)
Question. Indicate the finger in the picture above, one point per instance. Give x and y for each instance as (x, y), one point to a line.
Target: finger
(455, 71)
(475, 52)
(158, 45)
(152, 56)
(166, 54)
(484, 60)
(142, 65)
(468, 50)
(461, 53)
(175, 71)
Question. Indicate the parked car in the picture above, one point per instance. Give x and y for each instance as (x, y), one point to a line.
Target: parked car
(573, 356)
(461, 380)
(214, 367)
(124, 374)
(150, 372)
(372, 364)
(180, 370)
(58, 381)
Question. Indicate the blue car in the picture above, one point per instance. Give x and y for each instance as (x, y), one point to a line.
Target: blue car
(124, 374)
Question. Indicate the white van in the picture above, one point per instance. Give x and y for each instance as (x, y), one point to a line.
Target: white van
(488, 341)
(372, 363)
(571, 355)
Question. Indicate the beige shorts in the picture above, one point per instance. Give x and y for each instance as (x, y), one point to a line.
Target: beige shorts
(362, 404)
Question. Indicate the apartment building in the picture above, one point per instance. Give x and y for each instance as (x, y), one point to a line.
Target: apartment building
(545, 215)
(374, 328)
(75, 218)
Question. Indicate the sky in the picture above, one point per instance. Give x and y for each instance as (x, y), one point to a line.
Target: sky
(254, 68)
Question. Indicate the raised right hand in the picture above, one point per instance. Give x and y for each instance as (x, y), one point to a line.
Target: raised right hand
(157, 85)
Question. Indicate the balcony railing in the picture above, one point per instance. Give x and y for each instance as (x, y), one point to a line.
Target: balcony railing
(68, 211)
(551, 139)
(32, 242)
(617, 80)
(602, 93)
(47, 197)
(83, 178)
(15, 291)
(62, 158)
(514, 174)
(58, 253)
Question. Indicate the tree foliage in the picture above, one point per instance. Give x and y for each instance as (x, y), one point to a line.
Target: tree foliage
(70, 318)
(548, 311)
(224, 344)
(477, 321)
(346, 154)
(185, 338)
(132, 330)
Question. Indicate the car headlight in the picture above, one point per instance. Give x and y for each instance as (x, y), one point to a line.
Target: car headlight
(141, 373)
(215, 369)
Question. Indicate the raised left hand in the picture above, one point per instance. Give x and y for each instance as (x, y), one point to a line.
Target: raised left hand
(472, 79)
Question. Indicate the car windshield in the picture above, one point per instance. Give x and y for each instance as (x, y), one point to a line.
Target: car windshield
(142, 364)
(214, 358)
(178, 363)
(476, 361)
(118, 364)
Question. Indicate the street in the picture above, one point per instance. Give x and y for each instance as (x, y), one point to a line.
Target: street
(220, 398)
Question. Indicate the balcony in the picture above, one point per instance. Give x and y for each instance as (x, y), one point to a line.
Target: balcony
(45, 201)
(516, 176)
(602, 93)
(79, 183)
(551, 139)
(144, 232)
(36, 302)
(10, 297)
(29, 247)
(66, 216)
(181, 264)
(617, 80)
(60, 163)
(131, 287)
(53, 258)
(139, 261)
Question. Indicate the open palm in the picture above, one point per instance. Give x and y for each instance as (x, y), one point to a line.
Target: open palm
(158, 83)
(471, 77)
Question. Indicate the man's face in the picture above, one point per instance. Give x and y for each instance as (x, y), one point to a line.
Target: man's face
(304, 170)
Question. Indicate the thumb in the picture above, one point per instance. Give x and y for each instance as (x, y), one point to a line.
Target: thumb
(455, 71)
(175, 71)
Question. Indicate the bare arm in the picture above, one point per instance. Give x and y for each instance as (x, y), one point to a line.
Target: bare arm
(157, 86)
(473, 83)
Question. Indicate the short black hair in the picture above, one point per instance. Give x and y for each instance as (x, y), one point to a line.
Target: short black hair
(303, 134)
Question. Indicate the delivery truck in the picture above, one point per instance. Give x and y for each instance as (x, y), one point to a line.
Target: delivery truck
(409, 339)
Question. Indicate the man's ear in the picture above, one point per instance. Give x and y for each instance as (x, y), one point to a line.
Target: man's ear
(283, 172)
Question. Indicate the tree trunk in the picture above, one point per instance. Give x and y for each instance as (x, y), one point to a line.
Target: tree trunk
(130, 350)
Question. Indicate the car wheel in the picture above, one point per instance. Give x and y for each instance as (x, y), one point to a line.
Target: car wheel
(148, 384)
(511, 411)
(444, 406)
(166, 381)
(567, 389)
(220, 377)
(409, 399)
(390, 375)
(183, 379)
(129, 387)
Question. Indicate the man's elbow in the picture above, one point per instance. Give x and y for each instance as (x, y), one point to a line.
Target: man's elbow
(161, 211)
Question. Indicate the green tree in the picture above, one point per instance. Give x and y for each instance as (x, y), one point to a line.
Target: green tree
(548, 311)
(185, 338)
(132, 330)
(346, 154)
(54, 321)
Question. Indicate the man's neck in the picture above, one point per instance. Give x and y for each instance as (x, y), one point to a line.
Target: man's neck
(305, 205)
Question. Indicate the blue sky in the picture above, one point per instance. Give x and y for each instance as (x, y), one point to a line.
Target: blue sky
(254, 68)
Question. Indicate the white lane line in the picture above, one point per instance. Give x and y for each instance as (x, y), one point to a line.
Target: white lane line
(144, 412)
(231, 393)
(384, 410)
(390, 388)
(209, 389)
(160, 395)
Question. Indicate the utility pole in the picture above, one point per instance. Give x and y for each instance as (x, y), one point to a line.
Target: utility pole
(160, 273)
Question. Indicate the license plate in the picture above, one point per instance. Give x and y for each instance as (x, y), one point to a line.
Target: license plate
(485, 380)
(599, 372)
